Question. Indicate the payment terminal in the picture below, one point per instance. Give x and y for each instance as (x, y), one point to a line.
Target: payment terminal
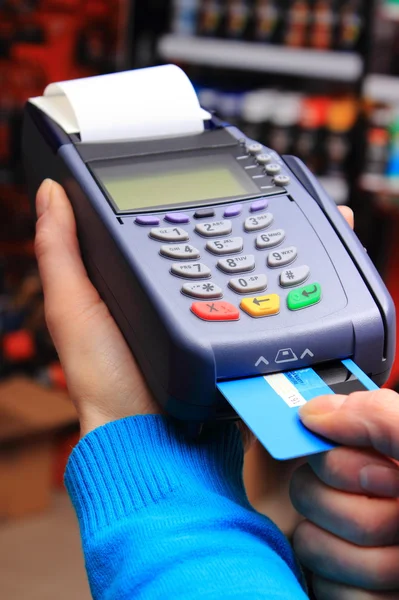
(219, 259)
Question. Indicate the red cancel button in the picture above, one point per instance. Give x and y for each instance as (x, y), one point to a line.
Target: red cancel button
(215, 311)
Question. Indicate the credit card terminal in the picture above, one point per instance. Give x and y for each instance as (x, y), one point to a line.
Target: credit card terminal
(218, 259)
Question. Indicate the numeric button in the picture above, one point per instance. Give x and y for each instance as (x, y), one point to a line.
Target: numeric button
(169, 234)
(270, 239)
(181, 252)
(283, 257)
(239, 264)
(214, 228)
(258, 223)
(249, 284)
(226, 246)
(191, 270)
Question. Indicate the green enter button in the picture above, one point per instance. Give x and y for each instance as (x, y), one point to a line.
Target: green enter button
(304, 297)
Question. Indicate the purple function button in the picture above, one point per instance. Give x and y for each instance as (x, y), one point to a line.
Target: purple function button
(259, 205)
(177, 218)
(147, 220)
(233, 211)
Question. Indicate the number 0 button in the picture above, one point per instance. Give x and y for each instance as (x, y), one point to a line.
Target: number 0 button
(283, 257)
(191, 270)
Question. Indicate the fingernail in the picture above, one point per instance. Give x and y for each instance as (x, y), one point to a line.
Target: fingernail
(379, 480)
(321, 406)
(43, 197)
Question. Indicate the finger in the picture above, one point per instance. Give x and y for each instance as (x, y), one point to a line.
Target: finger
(363, 419)
(352, 470)
(328, 590)
(364, 521)
(348, 215)
(330, 557)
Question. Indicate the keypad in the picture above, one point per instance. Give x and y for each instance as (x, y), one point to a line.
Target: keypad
(249, 284)
(292, 277)
(238, 264)
(169, 234)
(283, 257)
(259, 222)
(226, 246)
(191, 270)
(214, 228)
(180, 252)
(271, 239)
(202, 290)
(232, 259)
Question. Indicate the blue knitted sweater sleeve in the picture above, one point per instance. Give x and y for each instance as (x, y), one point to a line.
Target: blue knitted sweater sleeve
(165, 518)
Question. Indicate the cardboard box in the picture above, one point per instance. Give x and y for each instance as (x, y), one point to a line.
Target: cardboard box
(31, 417)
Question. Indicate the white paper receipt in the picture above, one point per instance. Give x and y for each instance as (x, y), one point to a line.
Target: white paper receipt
(137, 105)
(285, 389)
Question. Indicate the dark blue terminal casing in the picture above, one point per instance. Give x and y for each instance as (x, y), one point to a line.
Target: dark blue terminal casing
(182, 356)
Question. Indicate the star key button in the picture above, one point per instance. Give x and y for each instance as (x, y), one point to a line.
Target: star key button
(215, 311)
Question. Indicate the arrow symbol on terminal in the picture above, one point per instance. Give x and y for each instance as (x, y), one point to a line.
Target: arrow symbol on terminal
(259, 302)
(307, 353)
(307, 294)
(262, 360)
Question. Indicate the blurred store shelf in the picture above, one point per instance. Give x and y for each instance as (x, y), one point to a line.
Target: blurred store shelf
(391, 11)
(382, 88)
(379, 184)
(336, 188)
(301, 62)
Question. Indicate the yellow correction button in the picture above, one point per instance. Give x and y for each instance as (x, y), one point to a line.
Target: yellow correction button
(262, 306)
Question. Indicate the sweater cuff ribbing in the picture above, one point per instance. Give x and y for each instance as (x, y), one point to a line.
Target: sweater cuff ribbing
(129, 464)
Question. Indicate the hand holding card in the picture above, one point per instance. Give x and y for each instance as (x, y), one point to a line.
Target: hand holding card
(349, 496)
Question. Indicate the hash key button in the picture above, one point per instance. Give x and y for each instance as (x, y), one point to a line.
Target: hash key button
(270, 239)
(169, 234)
(258, 223)
(292, 277)
(304, 297)
(239, 264)
(191, 270)
(283, 257)
(214, 228)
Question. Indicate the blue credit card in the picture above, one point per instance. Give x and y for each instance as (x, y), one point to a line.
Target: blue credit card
(269, 405)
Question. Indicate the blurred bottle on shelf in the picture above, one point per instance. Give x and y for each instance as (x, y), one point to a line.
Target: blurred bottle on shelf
(350, 24)
(378, 145)
(284, 122)
(323, 26)
(210, 18)
(342, 115)
(310, 146)
(298, 18)
(393, 161)
(237, 19)
(267, 19)
(185, 15)
(257, 108)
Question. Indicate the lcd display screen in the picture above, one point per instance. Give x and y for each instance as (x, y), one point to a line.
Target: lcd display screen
(135, 185)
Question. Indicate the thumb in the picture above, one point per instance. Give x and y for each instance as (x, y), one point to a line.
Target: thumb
(68, 291)
(363, 419)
